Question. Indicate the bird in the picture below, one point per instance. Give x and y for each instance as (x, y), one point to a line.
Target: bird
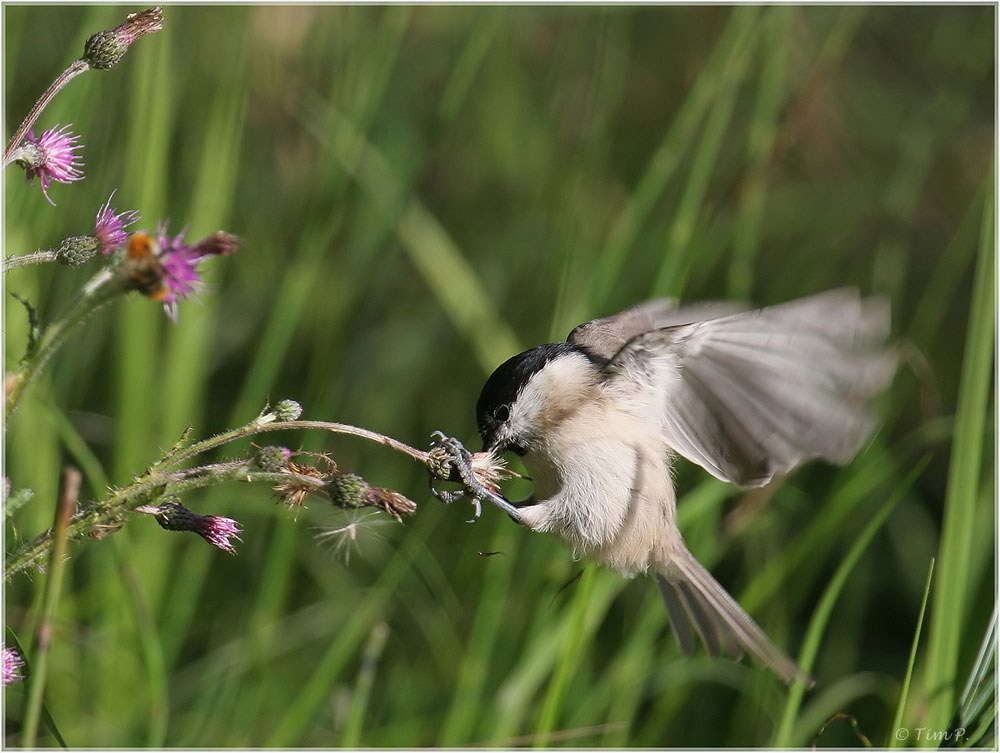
(747, 394)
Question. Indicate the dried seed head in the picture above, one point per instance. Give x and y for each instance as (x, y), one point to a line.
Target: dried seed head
(287, 410)
(273, 459)
(77, 250)
(390, 502)
(293, 492)
(105, 49)
(490, 470)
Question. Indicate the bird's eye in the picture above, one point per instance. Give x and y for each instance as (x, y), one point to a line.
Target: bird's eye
(501, 414)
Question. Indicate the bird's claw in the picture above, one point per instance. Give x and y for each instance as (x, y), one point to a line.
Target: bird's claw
(477, 510)
(453, 462)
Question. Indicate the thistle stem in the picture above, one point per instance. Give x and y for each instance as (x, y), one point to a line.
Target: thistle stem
(99, 290)
(159, 481)
(112, 511)
(24, 260)
(266, 423)
(75, 69)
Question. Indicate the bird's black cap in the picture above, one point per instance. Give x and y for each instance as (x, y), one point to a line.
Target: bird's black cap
(506, 382)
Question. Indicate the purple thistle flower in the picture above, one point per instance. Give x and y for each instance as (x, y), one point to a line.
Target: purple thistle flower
(110, 226)
(180, 266)
(218, 531)
(215, 529)
(180, 263)
(53, 157)
(12, 663)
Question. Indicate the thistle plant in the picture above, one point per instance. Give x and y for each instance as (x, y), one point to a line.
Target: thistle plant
(293, 476)
(102, 51)
(168, 268)
(108, 236)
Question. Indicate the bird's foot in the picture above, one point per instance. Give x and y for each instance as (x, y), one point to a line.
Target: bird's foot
(449, 460)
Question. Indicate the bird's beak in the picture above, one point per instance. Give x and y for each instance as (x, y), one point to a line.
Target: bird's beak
(496, 443)
(491, 440)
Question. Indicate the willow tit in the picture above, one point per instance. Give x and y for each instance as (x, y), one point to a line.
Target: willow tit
(747, 395)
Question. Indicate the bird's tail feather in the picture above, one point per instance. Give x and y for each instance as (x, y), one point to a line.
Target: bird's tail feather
(699, 607)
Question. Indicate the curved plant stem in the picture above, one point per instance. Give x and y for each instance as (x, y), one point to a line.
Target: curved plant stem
(24, 260)
(267, 423)
(102, 288)
(74, 70)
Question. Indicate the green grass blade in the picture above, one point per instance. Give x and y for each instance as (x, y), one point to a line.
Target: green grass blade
(65, 507)
(897, 722)
(948, 613)
(50, 722)
(679, 252)
(729, 54)
(514, 697)
(365, 683)
(760, 144)
(555, 696)
(146, 632)
(835, 697)
(824, 610)
(468, 698)
(313, 694)
(437, 258)
(976, 695)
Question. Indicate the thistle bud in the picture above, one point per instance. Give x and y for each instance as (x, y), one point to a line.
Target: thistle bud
(77, 250)
(216, 530)
(172, 515)
(348, 490)
(272, 459)
(105, 49)
(287, 410)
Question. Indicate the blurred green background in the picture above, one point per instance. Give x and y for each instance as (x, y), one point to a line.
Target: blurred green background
(422, 192)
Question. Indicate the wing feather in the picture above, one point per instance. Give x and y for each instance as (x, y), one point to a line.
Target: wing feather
(604, 337)
(751, 395)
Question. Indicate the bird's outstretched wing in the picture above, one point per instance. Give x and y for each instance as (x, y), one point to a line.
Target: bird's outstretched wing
(604, 337)
(751, 395)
